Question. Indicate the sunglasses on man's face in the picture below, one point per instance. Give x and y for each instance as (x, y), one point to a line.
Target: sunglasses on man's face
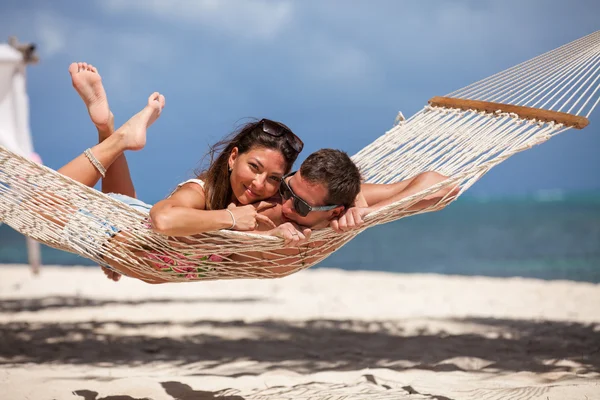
(277, 130)
(301, 207)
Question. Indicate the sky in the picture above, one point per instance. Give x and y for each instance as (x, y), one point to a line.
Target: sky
(336, 72)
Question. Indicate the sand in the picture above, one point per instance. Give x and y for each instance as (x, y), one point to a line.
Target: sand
(70, 333)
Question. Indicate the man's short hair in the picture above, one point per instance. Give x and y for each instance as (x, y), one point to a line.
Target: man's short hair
(337, 172)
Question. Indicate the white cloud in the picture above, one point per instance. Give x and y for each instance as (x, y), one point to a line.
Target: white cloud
(46, 29)
(123, 56)
(260, 19)
(316, 54)
(337, 62)
(51, 34)
(84, 40)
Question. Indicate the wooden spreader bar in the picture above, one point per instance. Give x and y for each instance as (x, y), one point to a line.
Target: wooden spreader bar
(573, 121)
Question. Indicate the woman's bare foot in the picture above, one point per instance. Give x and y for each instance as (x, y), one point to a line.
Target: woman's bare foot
(133, 132)
(110, 274)
(88, 83)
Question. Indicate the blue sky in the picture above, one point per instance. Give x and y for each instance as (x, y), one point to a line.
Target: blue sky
(337, 72)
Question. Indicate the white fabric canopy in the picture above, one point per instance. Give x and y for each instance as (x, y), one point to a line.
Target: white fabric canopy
(9, 54)
(15, 133)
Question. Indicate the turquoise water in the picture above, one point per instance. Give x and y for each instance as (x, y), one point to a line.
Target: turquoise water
(549, 238)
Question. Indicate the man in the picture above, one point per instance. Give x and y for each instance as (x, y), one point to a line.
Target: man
(326, 185)
(327, 191)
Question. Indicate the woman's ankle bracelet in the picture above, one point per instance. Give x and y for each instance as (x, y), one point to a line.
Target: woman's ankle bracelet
(95, 162)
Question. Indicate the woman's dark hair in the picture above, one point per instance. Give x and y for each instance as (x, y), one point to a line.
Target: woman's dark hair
(217, 187)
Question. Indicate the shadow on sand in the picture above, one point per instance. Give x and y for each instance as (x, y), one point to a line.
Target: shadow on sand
(369, 388)
(176, 390)
(304, 346)
(60, 302)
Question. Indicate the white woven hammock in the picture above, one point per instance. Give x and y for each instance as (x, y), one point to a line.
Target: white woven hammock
(463, 139)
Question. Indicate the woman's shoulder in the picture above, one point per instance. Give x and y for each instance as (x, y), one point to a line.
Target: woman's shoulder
(197, 183)
(195, 180)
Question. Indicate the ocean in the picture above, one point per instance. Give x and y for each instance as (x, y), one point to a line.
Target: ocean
(546, 237)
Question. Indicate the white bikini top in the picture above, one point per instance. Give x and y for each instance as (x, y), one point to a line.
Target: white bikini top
(196, 181)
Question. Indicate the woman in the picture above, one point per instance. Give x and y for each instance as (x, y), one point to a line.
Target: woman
(245, 167)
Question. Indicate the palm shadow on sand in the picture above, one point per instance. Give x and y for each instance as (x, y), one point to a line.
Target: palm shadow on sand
(91, 395)
(181, 391)
(303, 346)
(65, 302)
(177, 390)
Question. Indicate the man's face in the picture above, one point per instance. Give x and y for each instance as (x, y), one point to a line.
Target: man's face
(315, 194)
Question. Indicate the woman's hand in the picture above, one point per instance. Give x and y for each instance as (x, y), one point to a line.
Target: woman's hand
(247, 217)
(291, 234)
(351, 219)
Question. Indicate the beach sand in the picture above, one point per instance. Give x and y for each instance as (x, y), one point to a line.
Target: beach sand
(70, 333)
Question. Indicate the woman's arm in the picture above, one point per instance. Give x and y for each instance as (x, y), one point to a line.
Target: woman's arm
(184, 214)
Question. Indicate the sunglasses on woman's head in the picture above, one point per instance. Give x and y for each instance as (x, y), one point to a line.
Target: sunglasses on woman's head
(301, 207)
(277, 130)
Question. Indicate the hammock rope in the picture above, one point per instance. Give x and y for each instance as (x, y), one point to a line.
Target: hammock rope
(462, 135)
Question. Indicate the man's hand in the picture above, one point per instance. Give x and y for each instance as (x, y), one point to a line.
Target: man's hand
(351, 219)
(291, 234)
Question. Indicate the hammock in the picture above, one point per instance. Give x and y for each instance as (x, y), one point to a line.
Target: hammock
(462, 135)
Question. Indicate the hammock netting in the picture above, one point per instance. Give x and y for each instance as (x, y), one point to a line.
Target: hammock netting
(462, 135)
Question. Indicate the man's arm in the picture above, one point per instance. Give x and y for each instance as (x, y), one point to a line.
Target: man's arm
(384, 194)
(377, 196)
(396, 192)
(373, 193)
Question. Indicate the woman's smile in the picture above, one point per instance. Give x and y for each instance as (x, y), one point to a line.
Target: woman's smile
(250, 192)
